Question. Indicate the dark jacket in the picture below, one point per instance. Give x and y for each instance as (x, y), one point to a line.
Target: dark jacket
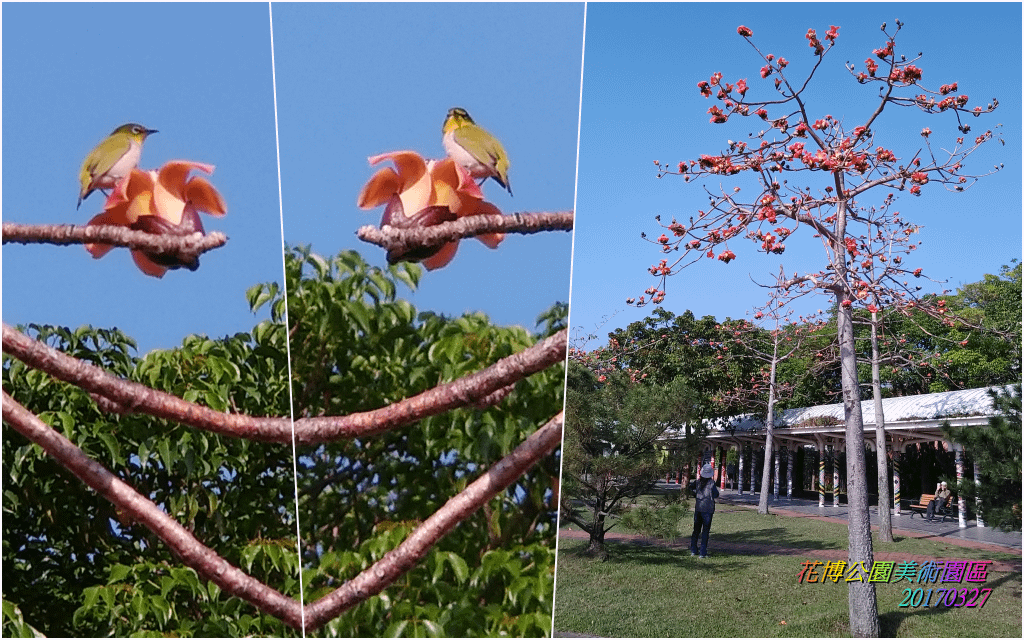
(706, 496)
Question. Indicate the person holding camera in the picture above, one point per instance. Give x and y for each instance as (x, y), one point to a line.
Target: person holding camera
(703, 509)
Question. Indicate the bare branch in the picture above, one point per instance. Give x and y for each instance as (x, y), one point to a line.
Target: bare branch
(137, 398)
(402, 241)
(183, 248)
(403, 558)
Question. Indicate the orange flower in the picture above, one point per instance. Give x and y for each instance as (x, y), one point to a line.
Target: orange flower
(167, 202)
(421, 193)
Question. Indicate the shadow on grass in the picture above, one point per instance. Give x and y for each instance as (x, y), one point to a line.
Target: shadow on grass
(646, 553)
(890, 622)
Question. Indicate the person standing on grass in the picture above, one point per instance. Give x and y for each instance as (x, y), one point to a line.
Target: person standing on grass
(703, 509)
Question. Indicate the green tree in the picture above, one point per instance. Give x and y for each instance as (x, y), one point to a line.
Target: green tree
(611, 447)
(355, 346)
(76, 566)
(997, 450)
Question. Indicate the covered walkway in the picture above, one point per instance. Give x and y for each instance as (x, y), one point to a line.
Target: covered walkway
(909, 421)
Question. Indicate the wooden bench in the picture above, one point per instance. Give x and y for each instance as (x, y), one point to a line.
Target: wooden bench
(926, 499)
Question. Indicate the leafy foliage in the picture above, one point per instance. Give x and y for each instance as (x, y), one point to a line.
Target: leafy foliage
(611, 444)
(76, 567)
(73, 566)
(357, 347)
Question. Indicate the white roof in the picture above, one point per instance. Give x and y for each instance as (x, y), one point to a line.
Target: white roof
(925, 407)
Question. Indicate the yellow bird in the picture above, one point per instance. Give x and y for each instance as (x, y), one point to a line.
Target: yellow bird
(474, 148)
(112, 159)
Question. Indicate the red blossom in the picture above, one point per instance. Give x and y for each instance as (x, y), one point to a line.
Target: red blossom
(947, 88)
(762, 113)
(926, 132)
(741, 86)
(766, 71)
(715, 77)
(705, 90)
(920, 177)
(832, 33)
(915, 190)
(663, 239)
(744, 31)
(726, 256)
(846, 303)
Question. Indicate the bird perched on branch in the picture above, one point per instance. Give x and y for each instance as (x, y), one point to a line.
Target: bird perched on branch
(112, 159)
(471, 146)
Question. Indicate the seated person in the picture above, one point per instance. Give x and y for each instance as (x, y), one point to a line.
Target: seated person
(938, 504)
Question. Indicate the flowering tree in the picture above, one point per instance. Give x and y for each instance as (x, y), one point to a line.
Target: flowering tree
(781, 342)
(852, 165)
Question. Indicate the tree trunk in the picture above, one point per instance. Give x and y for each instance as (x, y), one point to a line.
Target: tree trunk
(884, 498)
(863, 606)
(769, 446)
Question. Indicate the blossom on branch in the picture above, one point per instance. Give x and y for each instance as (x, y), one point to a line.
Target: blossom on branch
(165, 202)
(418, 193)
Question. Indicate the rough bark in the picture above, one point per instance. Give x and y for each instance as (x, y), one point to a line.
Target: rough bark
(863, 605)
(884, 497)
(769, 443)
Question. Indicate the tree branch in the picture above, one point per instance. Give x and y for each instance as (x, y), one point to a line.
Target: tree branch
(404, 557)
(207, 563)
(134, 397)
(184, 248)
(402, 241)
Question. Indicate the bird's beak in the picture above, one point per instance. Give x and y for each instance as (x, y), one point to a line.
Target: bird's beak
(151, 131)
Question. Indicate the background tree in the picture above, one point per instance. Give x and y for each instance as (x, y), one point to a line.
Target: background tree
(997, 450)
(611, 444)
(851, 165)
(203, 478)
(356, 346)
(75, 565)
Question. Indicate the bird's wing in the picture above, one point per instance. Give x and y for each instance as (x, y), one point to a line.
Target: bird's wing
(104, 156)
(482, 145)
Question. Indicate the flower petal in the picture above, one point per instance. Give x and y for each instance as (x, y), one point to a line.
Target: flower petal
(202, 196)
(384, 185)
(146, 265)
(442, 257)
(116, 217)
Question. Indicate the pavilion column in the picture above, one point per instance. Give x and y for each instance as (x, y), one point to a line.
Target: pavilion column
(790, 455)
(961, 502)
(821, 474)
(739, 467)
(721, 467)
(775, 480)
(896, 456)
(977, 501)
(835, 476)
(753, 465)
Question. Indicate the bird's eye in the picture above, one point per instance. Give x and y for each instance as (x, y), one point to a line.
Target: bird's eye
(136, 129)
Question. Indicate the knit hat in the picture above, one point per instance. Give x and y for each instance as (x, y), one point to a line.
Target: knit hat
(707, 471)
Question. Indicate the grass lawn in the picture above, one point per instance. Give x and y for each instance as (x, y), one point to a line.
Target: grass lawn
(654, 591)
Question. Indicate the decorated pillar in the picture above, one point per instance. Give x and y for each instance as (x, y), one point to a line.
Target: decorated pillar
(821, 475)
(896, 456)
(835, 476)
(721, 467)
(739, 467)
(790, 455)
(961, 502)
(775, 478)
(753, 465)
(977, 501)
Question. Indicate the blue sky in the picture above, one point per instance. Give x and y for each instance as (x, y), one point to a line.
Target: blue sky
(356, 80)
(198, 73)
(641, 103)
(352, 81)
